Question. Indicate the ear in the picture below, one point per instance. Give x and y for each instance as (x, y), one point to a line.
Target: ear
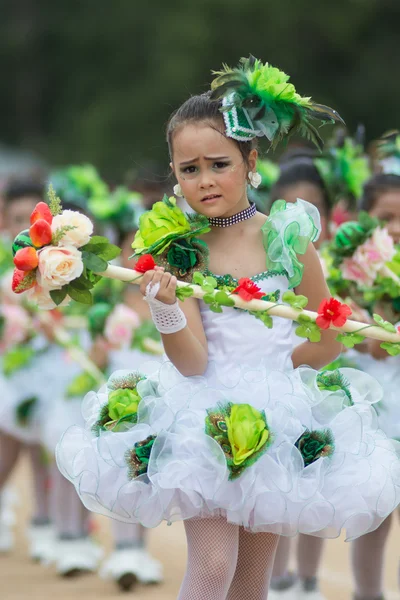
(253, 160)
(171, 164)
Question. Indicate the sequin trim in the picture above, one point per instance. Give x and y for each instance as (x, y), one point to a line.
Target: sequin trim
(229, 280)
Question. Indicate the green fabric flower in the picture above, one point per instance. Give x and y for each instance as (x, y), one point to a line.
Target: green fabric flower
(182, 256)
(315, 444)
(158, 224)
(138, 457)
(247, 431)
(122, 403)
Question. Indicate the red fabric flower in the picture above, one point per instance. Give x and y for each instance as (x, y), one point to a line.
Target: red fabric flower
(248, 290)
(145, 263)
(332, 312)
(398, 329)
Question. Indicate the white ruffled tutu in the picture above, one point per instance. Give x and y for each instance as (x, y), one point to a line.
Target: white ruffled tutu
(268, 447)
(31, 391)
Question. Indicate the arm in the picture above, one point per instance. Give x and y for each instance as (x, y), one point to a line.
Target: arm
(187, 348)
(374, 346)
(313, 285)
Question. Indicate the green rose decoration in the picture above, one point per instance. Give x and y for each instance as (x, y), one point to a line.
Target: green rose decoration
(138, 458)
(247, 431)
(315, 444)
(182, 256)
(163, 220)
(122, 403)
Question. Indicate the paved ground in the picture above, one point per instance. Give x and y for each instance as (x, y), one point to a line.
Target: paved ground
(22, 580)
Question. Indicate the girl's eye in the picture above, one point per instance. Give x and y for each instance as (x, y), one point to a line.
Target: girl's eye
(220, 165)
(189, 170)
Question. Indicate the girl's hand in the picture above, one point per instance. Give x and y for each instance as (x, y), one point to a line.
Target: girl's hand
(99, 352)
(166, 281)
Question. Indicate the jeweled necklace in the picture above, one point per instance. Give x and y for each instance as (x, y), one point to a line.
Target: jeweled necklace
(243, 215)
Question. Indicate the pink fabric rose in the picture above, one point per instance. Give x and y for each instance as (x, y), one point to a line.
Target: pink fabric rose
(120, 326)
(41, 298)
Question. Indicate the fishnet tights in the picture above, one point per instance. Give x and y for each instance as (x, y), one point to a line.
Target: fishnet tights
(367, 557)
(225, 562)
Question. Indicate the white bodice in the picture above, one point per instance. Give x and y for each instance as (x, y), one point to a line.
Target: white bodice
(237, 338)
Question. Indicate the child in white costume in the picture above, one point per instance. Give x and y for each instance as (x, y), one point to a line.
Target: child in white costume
(231, 436)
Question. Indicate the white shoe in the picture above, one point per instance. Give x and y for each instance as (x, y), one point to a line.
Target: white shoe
(295, 592)
(77, 556)
(6, 539)
(41, 542)
(130, 565)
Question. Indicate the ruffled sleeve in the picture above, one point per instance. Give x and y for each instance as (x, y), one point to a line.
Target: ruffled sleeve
(287, 232)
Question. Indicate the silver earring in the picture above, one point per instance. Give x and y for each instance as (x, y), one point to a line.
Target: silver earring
(178, 190)
(254, 179)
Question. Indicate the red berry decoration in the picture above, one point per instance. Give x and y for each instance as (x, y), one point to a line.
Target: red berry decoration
(40, 233)
(41, 211)
(26, 259)
(22, 281)
(145, 263)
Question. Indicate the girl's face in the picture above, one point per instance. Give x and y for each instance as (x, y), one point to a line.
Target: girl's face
(311, 193)
(211, 170)
(387, 208)
(17, 215)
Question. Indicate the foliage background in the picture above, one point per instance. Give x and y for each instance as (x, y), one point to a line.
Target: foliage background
(94, 80)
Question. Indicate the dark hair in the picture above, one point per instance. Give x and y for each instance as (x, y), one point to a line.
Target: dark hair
(20, 188)
(202, 108)
(377, 185)
(298, 170)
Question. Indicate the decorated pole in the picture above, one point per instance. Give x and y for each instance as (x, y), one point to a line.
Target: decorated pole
(375, 332)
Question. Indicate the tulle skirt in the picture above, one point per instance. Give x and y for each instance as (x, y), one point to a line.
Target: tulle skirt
(283, 452)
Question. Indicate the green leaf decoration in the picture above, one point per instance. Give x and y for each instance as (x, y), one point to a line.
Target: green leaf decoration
(350, 339)
(209, 299)
(100, 246)
(309, 330)
(82, 283)
(384, 324)
(94, 262)
(214, 307)
(207, 288)
(304, 319)
(210, 281)
(294, 300)
(223, 299)
(58, 295)
(198, 278)
(82, 296)
(264, 317)
(391, 348)
(184, 292)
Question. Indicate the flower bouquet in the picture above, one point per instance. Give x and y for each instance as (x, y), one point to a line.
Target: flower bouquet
(363, 258)
(58, 259)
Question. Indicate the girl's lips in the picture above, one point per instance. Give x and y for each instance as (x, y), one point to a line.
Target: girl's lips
(211, 197)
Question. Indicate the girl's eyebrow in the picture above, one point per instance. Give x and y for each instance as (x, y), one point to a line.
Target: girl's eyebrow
(188, 162)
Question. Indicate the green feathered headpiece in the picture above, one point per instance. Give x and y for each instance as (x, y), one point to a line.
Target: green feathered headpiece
(80, 185)
(344, 169)
(259, 101)
(388, 152)
(122, 209)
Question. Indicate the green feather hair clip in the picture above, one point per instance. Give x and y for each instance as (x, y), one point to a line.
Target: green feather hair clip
(388, 152)
(344, 168)
(259, 101)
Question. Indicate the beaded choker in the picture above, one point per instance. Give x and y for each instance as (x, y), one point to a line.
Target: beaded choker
(243, 215)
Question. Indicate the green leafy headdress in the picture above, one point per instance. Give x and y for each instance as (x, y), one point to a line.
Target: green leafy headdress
(388, 152)
(344, 169)
(82, 186)
(259, 101)
(122, 209)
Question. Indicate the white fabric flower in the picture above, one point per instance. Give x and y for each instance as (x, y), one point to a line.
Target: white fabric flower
(75, 237)
(42, 299)
(58, 266)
